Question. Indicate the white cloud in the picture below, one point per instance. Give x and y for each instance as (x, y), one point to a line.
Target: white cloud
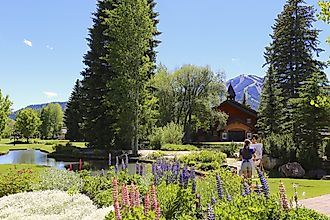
(234, 59)
(50, 47)
(28, 42)
(51, 94)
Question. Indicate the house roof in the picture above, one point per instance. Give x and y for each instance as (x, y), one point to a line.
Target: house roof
(239, 106)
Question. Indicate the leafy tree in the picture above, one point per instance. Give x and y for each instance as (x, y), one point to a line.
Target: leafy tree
(292, 55)
(73, 116)
(5, 104)
(312, 120)
(52, 120)
(270, 110)
(9, 128)
(27, 123)
(324, 15)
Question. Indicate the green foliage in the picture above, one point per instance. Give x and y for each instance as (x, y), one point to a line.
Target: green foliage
(229, 149)
(9, 128)
(170, 134)
(155, 155)
(5, 104)
(327, 149)
(279, 146)
(53, 179)
(52, 120)
(204, 160)
(68, 148)
(179, 147)
(27, 123)
(16, 181)
(74, 112)
(134, 214)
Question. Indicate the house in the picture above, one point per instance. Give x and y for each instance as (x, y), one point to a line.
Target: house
(241, 121)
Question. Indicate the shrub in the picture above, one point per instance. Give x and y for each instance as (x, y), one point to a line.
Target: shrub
(51, 204)
(279, 146)
(228, 149)
(170, 134)
(179, 147)
(64, 180)
(155, 155)
(65, 149)
(205, 160)
(16, 181)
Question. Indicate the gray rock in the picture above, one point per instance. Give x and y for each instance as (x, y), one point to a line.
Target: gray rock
(293, 170)
(316, 174)
(326, 177)
(269, 162)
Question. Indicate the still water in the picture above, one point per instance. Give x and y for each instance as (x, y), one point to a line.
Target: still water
(40, 158)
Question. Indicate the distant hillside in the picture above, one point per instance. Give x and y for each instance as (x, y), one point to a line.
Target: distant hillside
(250, 84)
(37, 107)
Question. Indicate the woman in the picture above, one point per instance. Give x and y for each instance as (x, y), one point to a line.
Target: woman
(246, 154)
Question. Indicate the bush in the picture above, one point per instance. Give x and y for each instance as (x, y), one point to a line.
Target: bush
(279, 146)
(204, 160)
(64, 180)
(155, 155)
(16, 181)
(170, 134)
(179, 147)
(65, 149)
(327, 149)
(228, 149)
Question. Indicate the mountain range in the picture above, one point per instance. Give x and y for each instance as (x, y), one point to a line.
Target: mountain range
(249, 84)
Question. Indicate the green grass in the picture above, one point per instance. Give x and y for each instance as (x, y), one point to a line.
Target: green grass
(310, 188)
(4, 168)
(44, 145)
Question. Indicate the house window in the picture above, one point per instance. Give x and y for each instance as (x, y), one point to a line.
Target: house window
(224, 136)
(248, 120)
(248, 135)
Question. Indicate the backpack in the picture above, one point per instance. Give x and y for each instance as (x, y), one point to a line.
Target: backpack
(246, 153)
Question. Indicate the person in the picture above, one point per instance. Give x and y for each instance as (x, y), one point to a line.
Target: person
(247, 154)
(258, 149)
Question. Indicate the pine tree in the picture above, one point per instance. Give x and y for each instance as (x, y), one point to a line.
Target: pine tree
(270, 110)
(312, 121)
(74, 113)
(291, 54)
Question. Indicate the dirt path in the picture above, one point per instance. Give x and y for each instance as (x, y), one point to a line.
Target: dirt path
(320, 204)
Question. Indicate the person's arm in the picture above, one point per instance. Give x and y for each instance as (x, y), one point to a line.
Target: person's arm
(240, 154)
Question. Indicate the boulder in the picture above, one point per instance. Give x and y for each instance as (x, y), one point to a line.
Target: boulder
(326, 177)
(316, 174)
(269, 162)
(293, 170)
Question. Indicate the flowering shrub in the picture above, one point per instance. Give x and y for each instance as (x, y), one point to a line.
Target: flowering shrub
(59, 179)
(204, 160)
(16, 181)
(50, 204)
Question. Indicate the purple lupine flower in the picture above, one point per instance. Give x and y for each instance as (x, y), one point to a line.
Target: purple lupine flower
(246, 188)
(192, 173)
(193, 186)
(117, 160)
(265, 187)
(219, 187)
(210, 213)
(141, 169)
(123, 165)
(213, 200)
(243, 193)
(228, 197)
(153, 168)
(186, 176)
(181, 179)
(258, 190)
(156, 179)
(116, 168)
(137, 168)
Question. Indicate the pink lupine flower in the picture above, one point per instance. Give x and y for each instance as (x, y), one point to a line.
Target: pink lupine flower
(132, 195)
(137, 197)
(115, 189)
(80, 164)
(154, 197)
(125, 196)
(158, 212)
(146, 204)
(284, 200)
(70, 168)
(117, 210)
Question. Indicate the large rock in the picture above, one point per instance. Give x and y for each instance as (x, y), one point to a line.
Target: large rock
(316, 174)
(293, 170)
(327, 177)
(269, 162)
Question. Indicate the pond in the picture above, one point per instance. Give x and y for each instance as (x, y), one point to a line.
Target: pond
(40, 158)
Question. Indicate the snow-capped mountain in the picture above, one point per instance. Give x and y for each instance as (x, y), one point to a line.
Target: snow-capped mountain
(249, 84)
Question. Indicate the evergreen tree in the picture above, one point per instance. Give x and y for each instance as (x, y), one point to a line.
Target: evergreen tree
(270, 109)
(73, 117)
(312, 121)
(291, 54)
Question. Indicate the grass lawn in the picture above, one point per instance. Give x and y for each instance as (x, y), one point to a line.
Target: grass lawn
(305, 188)
(44, 145)
(6, 167)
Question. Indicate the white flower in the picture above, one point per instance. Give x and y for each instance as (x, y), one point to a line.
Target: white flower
(303, 193)
(51, 204)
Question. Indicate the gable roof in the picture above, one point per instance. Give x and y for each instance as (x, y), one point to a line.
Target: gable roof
(239, 106)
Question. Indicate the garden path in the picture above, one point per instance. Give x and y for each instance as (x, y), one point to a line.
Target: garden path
(320, 204)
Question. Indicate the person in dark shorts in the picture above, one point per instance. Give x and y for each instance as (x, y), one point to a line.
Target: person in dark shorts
(247, 155)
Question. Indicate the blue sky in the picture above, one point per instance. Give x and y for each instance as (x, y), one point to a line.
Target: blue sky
(42, 42)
